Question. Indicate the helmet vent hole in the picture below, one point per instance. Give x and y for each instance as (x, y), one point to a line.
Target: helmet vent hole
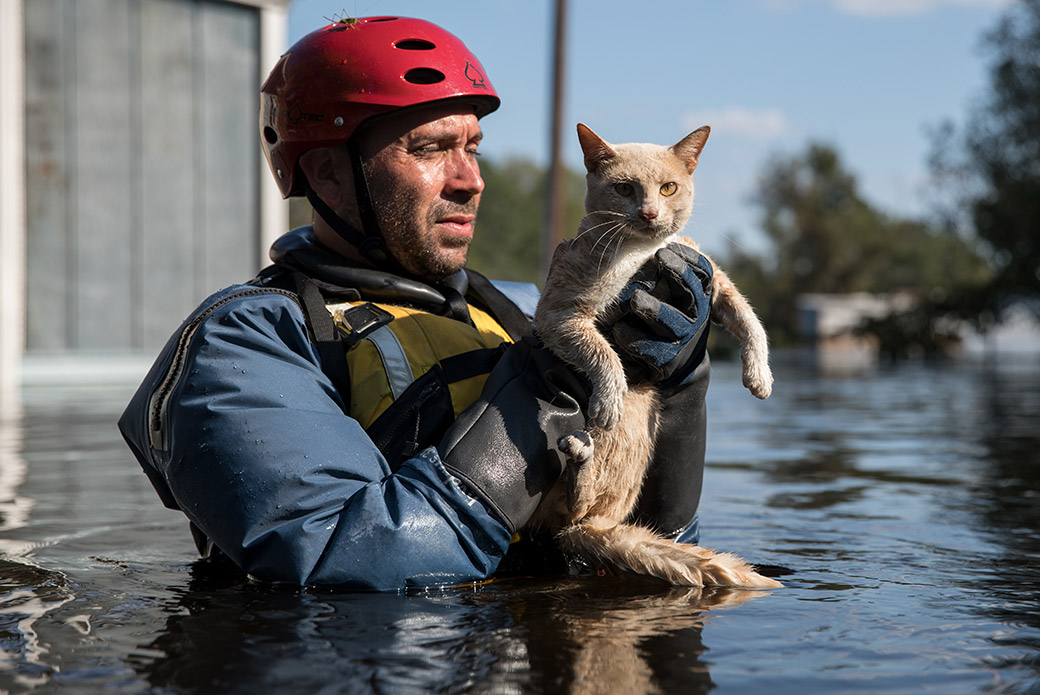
(415, 45)
(270, 135)
(424, 76)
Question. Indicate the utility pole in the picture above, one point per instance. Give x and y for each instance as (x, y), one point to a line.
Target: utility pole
(556, 193)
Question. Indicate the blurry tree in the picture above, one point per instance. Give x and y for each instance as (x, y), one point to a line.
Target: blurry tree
(993, 165)
(826, 238)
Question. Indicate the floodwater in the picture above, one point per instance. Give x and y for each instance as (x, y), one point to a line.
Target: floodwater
(902, 500)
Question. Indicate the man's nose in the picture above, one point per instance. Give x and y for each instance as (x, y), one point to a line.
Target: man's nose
(464, 176)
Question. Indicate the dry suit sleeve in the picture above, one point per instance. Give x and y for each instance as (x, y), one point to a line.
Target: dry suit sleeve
(257, 452)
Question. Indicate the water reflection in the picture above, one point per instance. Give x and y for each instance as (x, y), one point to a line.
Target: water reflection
(1006, 505)
(573, 635)
(14, 507)
(1009, 434)
(905, 501)
(27, 595)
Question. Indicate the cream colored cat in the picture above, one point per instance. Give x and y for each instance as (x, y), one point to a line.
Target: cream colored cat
(639, 196)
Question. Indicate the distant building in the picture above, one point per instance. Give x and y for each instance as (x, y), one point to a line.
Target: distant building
(131, 179)
(828, 323)
(1017, 335)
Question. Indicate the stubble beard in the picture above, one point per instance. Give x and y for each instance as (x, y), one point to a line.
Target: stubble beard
(415, 243)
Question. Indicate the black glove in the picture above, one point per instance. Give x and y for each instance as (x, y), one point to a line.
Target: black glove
(661, 336)
(672, 487)
(661, 328)
(504, 446)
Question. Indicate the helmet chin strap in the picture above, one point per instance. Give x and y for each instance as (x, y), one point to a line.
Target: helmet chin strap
(368, 240)
(373, 246)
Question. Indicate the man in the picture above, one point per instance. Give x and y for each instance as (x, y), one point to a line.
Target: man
(406, 442)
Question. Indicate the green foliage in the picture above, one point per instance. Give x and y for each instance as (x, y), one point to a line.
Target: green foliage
(997, 161)
(827, 239)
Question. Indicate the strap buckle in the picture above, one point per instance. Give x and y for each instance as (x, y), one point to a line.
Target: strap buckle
(357, 322)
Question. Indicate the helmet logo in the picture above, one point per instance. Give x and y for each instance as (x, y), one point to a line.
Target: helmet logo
(475, 76)
(297, 114)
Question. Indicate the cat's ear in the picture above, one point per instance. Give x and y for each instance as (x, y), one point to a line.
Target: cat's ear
(689, 148)
(595, 148)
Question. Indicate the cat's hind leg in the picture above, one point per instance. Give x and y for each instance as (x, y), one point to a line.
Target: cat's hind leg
(579, 449)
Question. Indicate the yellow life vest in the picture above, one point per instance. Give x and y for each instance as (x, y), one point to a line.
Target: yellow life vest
(390, 348)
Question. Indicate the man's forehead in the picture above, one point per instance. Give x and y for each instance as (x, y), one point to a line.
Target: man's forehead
(464, 125)
(441, 118)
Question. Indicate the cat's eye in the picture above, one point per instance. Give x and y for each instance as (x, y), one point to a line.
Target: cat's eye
(624, 188)
(669, 188)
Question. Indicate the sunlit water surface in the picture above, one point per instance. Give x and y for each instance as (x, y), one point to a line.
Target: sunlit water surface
(903, 501)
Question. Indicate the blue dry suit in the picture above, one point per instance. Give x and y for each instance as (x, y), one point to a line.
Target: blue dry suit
(238, 425)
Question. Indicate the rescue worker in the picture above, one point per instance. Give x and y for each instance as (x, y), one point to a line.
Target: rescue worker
(367, 412)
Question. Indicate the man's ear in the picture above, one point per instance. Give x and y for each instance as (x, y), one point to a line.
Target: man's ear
(328, 172)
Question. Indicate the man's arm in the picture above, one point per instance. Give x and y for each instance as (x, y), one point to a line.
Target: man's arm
(260, 456)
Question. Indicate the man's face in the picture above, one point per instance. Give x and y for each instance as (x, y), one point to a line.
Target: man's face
(425, 183)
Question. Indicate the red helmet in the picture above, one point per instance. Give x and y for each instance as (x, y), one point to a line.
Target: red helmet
(334, 78)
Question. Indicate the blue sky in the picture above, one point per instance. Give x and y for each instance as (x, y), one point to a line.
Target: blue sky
(869, 77)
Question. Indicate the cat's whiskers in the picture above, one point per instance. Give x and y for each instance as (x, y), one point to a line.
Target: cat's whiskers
(615, 213)
(616, 232)
(594, 228)
(601, 224)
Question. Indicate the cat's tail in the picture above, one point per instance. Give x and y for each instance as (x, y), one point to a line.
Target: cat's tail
(631, 548)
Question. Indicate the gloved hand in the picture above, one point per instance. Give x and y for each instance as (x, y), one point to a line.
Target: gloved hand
(504, 446)
(661, 336)
(672, 487)
(661, 329)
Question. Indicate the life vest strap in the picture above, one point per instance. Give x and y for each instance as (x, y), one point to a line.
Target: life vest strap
(395, 360)
(326, 336)
(505, 311)
(470, 364)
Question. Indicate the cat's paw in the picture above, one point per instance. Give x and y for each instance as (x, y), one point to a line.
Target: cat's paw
(606, 404)
(758, 379)
(577, 447)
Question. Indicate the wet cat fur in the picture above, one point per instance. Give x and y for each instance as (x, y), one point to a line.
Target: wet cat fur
(638, 198)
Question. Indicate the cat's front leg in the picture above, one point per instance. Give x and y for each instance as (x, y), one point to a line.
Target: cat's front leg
(607, 401)
(731, 310)
(757, 376)
(578, 342)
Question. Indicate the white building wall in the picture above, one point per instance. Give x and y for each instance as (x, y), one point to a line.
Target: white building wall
(12, 202)
(72, 323)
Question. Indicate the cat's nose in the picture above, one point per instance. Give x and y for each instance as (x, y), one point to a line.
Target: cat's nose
(648, 214)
